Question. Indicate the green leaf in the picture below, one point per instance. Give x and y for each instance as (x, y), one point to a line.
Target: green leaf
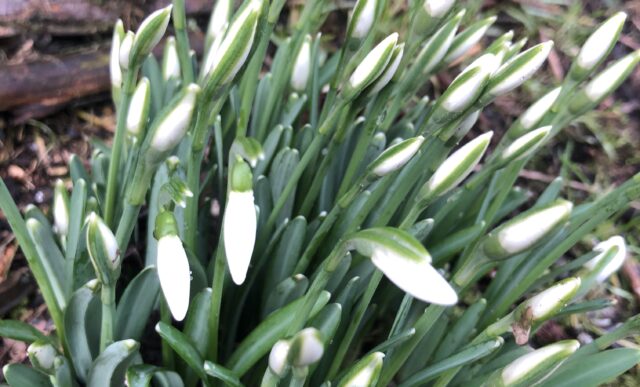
(18, 330)
(136, 305)
(281, 169)
(594, 370)
(108, 370)
(140, 375)
(286, 255)
(285, 292)
(50, 257)
(20, 375)
(63, 373)
(221, 373)
(183, 347)
(196, 328)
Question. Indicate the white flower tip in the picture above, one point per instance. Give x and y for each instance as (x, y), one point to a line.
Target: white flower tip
(523, 367)
(396, 156)
(438, 8)
(526, 143)
(278, 357)
(598, 44)
(310, 347)
(174, 274)
(536, 112)
(614, 263)
(553, 298)
(239, 228)
(365, 18)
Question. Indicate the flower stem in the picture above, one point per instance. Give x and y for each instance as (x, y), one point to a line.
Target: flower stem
(182, 41)
(108, 298)
(216, 300)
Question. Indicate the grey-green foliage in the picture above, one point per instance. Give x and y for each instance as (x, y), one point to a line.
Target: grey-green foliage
(342, 205)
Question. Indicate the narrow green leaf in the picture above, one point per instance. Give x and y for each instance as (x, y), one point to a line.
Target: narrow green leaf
(217, 371)
(108, 370)
(20, 375)
(18, 330)
(136, 305)
(183, 347)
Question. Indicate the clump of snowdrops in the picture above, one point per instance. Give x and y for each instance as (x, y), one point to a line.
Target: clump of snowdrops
(317, 219)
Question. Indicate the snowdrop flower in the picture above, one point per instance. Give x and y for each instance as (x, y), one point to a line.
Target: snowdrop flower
(173, 126)
(115, 72)
(306, 347)
(240, 221)
(534, 114)
(526, 230)
(547, 303)
(455, 168)
(609, 79)
(218, 21)
(466, 87)
(365, 373)
(170, 60)
(371, 66)
(434, 51)
(396, 156)
(605, 269)
(149, 33)
(224, 62)
(597, 46)
(139, 109)
(524, 145)
(390, 71)
(405, 262)
(362, 18)
(125, 50)
(438, 8)
(518, 69)
(173, 265)
(278, 357)
(468, 38)
(302, 66)
(42, 356)
(103, 250)
(60, 209)
(536, 365)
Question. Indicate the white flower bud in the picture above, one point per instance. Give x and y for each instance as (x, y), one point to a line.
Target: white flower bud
(306, 347)
(468, 38)
(465, 88)
(139, 109)
(614, 263)
(115, 71)
(302, 66)
(373, 64)
(174, 274)
(149, 33)
(525, 144)
(170, 60)
(278, 357)
(125, 50)
(60, 208)
(600, 42)
(174, 125)
(362, 18)
(103, 250)
(219, 19)
(548, 302)
(42, 356)
(366, 372)
(438, 8)
(518, 69)
(535, 365)
(536, 112)
(526, 230)
(456, 167)
(609, 79)
(390, 71)
(396, 156)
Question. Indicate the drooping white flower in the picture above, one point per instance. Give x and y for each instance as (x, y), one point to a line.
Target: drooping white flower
(139, 108)
(549, 301)
(302, 66)
(614, 264)
(438, 8)
(306, 347)
(518, 69)
(457, 166)
(42, 356)
(396, 156)
(278, 357)
(535, 365)
(174, 274)
(600, 42)
(366, 372)
(536, 112)
(362, 18)
(174, 125)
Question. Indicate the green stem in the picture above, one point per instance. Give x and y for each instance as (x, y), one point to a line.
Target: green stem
(182, 41)
(217, 287)
(168, 359)
(127, 223)
(118, 144)
(108, 298)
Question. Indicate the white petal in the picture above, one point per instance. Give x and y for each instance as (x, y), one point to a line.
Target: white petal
(240, 222)
(418, 278)
(278, 357)
(602, 83)
(598, 43)
(400, 158)
(60, 215)
(523, 365)
(526, 141)
(552, 298)
(518, 76)
(174, 126)
(174, 274)
(365, 19)
(534, 114)
(302, 67)
(370, 62)
(615, 263)
(437, 8)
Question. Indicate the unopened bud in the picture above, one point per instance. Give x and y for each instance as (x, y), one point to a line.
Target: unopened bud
(60, 208)
(170, 60)
(396, 156)
(42, 356)
(362, 18)
(365, 372)
(148, 35)
(103, 250)
(371, 67)
(139, 109)
(307, 347)
(302, 66)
